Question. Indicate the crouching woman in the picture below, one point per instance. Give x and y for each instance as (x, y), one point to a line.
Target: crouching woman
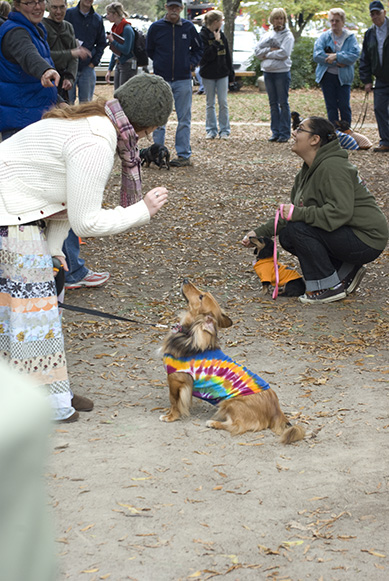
(333, 224)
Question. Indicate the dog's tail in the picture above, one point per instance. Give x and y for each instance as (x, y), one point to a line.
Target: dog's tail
(292, 434)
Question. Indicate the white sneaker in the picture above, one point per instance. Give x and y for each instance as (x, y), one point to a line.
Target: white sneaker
(210, 136)
(224, 136)
(91, 279)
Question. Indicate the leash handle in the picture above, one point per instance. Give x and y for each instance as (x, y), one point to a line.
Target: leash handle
(279, 213)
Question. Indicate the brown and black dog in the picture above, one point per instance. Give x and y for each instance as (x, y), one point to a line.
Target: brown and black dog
(158, 154)
(196, 366)
(290, 281)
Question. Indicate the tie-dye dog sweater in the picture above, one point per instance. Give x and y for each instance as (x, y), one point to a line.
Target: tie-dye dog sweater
(216, 376)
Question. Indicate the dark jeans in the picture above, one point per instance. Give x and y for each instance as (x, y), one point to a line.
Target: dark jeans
(71, 249)
(325, 258)
(381, 110)
(277, 87)
(337, 98)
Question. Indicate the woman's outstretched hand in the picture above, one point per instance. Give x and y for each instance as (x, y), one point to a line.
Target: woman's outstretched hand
(246, 239)
(155, 199)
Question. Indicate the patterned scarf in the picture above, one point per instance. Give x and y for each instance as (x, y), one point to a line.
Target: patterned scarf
(131, 190)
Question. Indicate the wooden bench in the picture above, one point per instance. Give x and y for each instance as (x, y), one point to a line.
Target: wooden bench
(244, 73)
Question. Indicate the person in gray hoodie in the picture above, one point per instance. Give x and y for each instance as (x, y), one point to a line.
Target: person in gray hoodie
(274, 50)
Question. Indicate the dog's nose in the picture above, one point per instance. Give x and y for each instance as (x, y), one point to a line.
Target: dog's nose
(185, 281)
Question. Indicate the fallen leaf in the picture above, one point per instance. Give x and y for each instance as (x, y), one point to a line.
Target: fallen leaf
(87, 528)
(374, 553)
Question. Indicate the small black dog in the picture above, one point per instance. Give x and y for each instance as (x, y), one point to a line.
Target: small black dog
(290, 279)
(296, 119)
(158, 154)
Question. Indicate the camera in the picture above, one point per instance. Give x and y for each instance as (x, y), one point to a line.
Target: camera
(328, 50)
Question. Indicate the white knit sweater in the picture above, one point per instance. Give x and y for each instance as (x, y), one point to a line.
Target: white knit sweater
(55, 165)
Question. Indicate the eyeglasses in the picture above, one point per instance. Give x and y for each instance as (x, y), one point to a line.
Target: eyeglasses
(300, 129)
(55, 8)
(34, 3)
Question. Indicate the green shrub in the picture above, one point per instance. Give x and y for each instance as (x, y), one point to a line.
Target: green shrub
(357, 83)
(255, 65)
(303, 66)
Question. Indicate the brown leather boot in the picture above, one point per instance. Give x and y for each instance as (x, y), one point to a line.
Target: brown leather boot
(82, 404)
(73, 418)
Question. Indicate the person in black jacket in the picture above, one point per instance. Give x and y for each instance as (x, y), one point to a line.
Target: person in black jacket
(374, 61)
(217, 72)
(174, 46)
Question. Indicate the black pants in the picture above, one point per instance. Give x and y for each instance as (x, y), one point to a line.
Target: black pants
(325, 257)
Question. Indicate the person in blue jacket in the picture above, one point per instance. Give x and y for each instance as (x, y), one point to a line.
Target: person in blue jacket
(336, 52)
(28, 79)
(174, 45)
(89, 30)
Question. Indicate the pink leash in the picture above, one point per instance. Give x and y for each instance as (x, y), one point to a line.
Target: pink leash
(279, 213)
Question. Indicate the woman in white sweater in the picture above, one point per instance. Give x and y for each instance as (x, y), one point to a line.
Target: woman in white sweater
(52, 178)
(274, 50)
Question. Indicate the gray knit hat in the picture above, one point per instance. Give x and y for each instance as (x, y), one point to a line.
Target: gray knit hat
(147, 100)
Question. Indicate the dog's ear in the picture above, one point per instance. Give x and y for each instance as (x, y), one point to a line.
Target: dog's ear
(224, 321)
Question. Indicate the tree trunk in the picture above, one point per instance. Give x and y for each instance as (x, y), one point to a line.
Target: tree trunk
(230, 9)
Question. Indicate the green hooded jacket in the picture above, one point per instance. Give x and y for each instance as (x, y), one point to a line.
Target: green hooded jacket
(330, 194)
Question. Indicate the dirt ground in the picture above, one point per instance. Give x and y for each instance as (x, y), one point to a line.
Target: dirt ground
(200, 503)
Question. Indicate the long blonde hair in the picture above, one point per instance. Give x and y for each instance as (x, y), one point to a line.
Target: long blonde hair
(88, 109)
(80, 111)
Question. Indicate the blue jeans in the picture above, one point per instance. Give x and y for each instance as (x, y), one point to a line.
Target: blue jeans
(217, 87)
(277, 87)
(71, 249)
(199, 78)
(325, 258)
(381, 111)
(337, 98)
(86, 82)
(182, 93)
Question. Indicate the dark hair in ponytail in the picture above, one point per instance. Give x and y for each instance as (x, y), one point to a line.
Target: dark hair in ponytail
(323, 128)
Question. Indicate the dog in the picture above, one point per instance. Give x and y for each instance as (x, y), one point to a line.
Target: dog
(158, 154)
(363, 142)
(296, 119)
(197, 367)
(290, 279)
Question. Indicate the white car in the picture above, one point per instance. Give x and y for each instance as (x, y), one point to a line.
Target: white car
(244, 45)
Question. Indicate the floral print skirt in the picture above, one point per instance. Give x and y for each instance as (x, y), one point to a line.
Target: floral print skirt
(31, 338)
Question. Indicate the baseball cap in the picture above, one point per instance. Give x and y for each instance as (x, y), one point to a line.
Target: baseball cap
(173, 3)
(376, 5)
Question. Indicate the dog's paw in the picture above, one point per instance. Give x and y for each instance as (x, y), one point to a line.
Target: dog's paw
(210, 424)
(167, 418)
